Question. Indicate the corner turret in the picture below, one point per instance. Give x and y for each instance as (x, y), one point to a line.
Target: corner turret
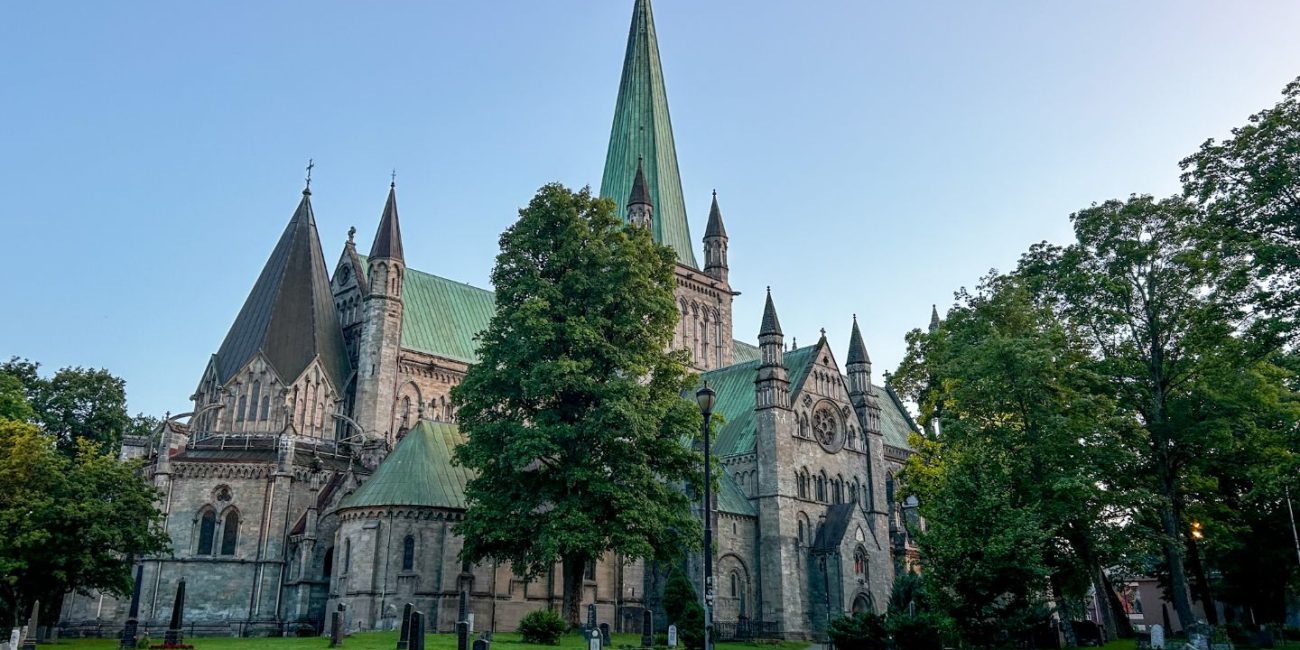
(773, 382)
(640, 209)
(715, 243)
(381, 331)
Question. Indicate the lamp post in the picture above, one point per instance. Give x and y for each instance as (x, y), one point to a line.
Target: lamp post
(706, 398)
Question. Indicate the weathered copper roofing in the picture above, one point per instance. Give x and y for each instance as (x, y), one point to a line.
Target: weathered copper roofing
(742, 352)
(289, 315)
(388, 240)
(857, 349)
(771, 324)
(715, 227)
(639, 194)
(418, 473)
(731, 499)
(643, 130)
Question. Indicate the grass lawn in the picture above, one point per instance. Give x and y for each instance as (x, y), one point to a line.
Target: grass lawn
(388, 640)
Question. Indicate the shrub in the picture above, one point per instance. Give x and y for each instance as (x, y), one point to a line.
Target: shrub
(542, 627)
(924, 631)
(863, 631)
(305, 629)
(678, 592)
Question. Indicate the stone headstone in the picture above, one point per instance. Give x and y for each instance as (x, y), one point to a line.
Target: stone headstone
(336, 629)
(15, 638)
(29, 633)
(404, 640)
(593, 639)
(647, 629)
(462, 622)
(481, 644)
(604, 633)
(470, 621)
(131, 628)
(174, 634)
(672, 636)
(417, 631)
(591, 616)
(1157, 637)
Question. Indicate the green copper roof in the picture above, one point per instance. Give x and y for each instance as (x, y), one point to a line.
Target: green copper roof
(419, 472)
(742, 352)
(731, 499)
(643, 131)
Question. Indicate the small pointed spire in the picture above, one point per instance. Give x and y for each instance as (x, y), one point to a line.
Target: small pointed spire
(640, 195)
(715, 227)
(388, 240)
(934, 318)
(857, 349)
(771, 324)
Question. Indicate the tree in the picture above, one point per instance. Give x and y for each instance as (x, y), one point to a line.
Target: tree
(575, 422)
(682, 608)
(1160, 304)
(71, 524)
(75, 404)
(1250, 186)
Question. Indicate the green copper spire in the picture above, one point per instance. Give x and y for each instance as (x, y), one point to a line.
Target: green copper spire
(642, 129)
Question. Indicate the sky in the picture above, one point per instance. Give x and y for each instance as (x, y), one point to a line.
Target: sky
(870, 157)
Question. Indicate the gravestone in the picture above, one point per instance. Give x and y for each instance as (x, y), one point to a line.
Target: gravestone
(15, 637)
(1264, 638)
(132, 626)
(1198, 637)
(647, 629)
(481, 644)
(1157, 637)
(604, 633)
(591, 616)
(593, 639)
(672, 636)
(404, 640)
(336, 629)
(29, 634)
(417, 631)
(470, 620)
(462, 622)
(174, 634)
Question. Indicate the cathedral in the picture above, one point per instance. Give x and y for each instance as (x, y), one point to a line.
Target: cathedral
(314, 469)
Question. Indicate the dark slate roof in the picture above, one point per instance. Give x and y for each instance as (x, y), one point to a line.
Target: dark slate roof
(640, 196)
(418, 473)
(715, 227)
(731, 499)
(857, 349)
(289, 315)
(388, 239)
(643, 130)
(771, 324)
(441, 317)
(831, 532)
(934, 317)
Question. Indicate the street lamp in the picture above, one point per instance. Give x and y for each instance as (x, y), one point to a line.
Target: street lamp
(706, 398)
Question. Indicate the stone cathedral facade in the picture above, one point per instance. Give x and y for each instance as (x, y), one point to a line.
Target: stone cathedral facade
(315, 466)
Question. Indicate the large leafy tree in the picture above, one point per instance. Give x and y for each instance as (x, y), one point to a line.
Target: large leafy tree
(71, 523)
(576, 427)
(78, 404)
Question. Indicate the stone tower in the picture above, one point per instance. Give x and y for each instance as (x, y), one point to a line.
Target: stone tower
(715, 244)
(381, 334)
(867, 408)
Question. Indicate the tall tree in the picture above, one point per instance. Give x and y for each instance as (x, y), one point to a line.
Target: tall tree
(75, 404)
(574, 417)
(1160, 304)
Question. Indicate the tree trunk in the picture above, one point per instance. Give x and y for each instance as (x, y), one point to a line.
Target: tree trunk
(1201, 584)
(1065, 612)
(1174, 558)
(1122, 623)
(1102, 602)
(575, 568)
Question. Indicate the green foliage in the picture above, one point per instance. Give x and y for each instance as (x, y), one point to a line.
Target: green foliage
(920, 631)
(543, 627)
(861, 631)
(71, 523)
(74, 404)
(682, 608)
(577, 430)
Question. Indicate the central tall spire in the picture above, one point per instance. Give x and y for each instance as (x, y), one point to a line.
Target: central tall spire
(643, 130)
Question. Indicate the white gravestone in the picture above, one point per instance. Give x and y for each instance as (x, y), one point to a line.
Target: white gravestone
(593, 641)
(672, 636)
(1157, 637)
(15, 637)
(470, 619)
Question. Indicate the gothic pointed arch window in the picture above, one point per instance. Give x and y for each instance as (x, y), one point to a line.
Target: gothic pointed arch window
(328, 568)
(860, 562)
(801, 533)
(347, 556)
(266, 407)
(230, 532)
(207, 531)
(735, 585)
(239, 408)
(408, 553)
(803, 483)
(821, 487)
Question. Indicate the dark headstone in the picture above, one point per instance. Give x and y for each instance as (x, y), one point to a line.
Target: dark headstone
(591, 616)
(481, 644)
(462, 622)
(417, 631)
(404, 640)
(1164, 610)
(336, 629)
(29, 639)
(174, 634)
(132, 627)
(604, 633)
(647, 629)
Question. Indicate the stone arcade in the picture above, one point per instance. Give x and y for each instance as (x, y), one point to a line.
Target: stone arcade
(315, 469)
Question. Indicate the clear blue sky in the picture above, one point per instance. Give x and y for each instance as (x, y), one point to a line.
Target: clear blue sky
(869, 157)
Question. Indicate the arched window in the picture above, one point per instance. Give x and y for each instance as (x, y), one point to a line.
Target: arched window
(801, 533)
(266, 407)
(347, 555)
(257, 399)
(229, 532)
(207, 531)
(860, 562)
(821, 487)
(589, 573)
(802, 479)
(889, 493)
(329, 562)
(239, 409)
(408, 553)
(735, 587)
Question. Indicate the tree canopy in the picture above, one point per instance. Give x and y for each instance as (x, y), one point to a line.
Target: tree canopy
(574, 417)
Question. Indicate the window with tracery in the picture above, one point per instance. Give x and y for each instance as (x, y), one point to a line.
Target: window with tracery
(825, 427)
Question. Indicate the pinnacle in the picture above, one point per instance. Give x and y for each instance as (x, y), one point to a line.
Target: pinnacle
(771, 324)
